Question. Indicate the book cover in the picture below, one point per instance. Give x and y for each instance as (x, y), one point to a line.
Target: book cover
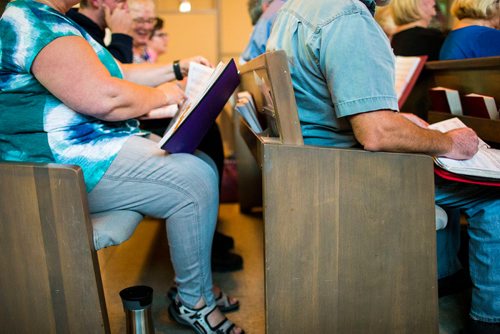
(480, 106)
(196, 116)
(246, 108)
(445, 100)
(407, 72)
(484, 164)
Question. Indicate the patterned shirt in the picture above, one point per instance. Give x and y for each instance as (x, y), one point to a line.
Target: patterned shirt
(35, 125)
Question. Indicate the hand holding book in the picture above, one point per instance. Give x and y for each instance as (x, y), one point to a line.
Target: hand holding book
(485, 163)
(198, 113)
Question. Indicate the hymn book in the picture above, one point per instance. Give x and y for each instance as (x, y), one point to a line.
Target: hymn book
(482, 106)
(484, 164)
(445, 100)
(206, 99)
(407, 71)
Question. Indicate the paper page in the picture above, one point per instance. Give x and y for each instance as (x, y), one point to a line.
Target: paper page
(485, 163)
(405, 67)
(190, 103)
(197, 79)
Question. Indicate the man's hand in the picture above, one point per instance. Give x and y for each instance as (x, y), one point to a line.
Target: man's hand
(119, 20)
(464, 144)
(175, 95)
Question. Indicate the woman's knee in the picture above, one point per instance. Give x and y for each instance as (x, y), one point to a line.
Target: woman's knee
(198, 176)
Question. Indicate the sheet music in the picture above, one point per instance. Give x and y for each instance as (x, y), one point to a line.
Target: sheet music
(198, 87)
(197, 79)
(405, 67)
(485, 163)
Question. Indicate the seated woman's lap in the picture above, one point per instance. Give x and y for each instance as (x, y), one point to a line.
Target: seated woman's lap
(181, 188)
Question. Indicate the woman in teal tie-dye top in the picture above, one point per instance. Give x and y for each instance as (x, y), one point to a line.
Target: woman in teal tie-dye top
(63, 100)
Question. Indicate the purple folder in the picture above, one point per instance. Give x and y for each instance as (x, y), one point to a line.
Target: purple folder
(196, 125)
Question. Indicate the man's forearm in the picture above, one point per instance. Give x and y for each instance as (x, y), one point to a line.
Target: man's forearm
(391, 132)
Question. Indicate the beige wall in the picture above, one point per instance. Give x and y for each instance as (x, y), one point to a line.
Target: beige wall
(216, 29)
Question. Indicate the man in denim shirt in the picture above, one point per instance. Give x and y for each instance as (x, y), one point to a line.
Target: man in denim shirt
(342, 70)
(257, 44)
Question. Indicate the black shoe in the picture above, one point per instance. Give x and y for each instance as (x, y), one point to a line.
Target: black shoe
(222, 242)
(226, 261)
(480, 327)
(454, 283)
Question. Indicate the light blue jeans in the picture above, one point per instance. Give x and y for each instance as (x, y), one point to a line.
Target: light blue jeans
(181, 188)
(448, 244)
(481, 206)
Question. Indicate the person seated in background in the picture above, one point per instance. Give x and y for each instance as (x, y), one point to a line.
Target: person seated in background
(413, 36)
(143, 15)
(56, 112)
(95, 16)
(475, 34)
(262, 28)
(158, 41)
(345, 97)
(144, 20)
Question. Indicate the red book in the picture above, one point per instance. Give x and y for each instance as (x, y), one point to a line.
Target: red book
(407, 72)
(464, 179)
(445, 100)
(482, 106)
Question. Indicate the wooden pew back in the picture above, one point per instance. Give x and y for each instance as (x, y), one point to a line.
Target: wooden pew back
(349, 234)
(51, 281)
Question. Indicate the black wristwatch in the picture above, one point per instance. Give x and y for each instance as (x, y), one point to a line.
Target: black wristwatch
(177, 70)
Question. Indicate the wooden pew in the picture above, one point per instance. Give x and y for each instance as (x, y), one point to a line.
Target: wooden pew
(476, 75)
(51, 281)
(349, 234)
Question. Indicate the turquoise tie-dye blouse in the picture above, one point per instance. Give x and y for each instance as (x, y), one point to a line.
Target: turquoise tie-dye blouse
(35, 125)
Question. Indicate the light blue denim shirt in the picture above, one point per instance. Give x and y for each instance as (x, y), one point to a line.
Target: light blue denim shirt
(257, 44)
(341, 64)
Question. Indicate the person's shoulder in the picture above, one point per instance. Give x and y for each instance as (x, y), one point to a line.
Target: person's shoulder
(489, 32)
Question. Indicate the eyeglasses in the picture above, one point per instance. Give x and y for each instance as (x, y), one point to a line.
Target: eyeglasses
(140, 20)
(161, 35)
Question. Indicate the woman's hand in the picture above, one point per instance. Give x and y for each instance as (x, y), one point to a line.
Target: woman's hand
(184, 63)
(175, 95)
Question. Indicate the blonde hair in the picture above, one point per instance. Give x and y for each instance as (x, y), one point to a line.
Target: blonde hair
(475, 9)
(383, 16)
(405, 11)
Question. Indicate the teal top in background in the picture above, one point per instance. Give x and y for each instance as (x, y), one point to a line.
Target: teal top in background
(341, 64)
(36, 126)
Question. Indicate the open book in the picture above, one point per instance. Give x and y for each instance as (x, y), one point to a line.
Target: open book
(206, 99)
(485, 163)
(407, 71)
(199, 75)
